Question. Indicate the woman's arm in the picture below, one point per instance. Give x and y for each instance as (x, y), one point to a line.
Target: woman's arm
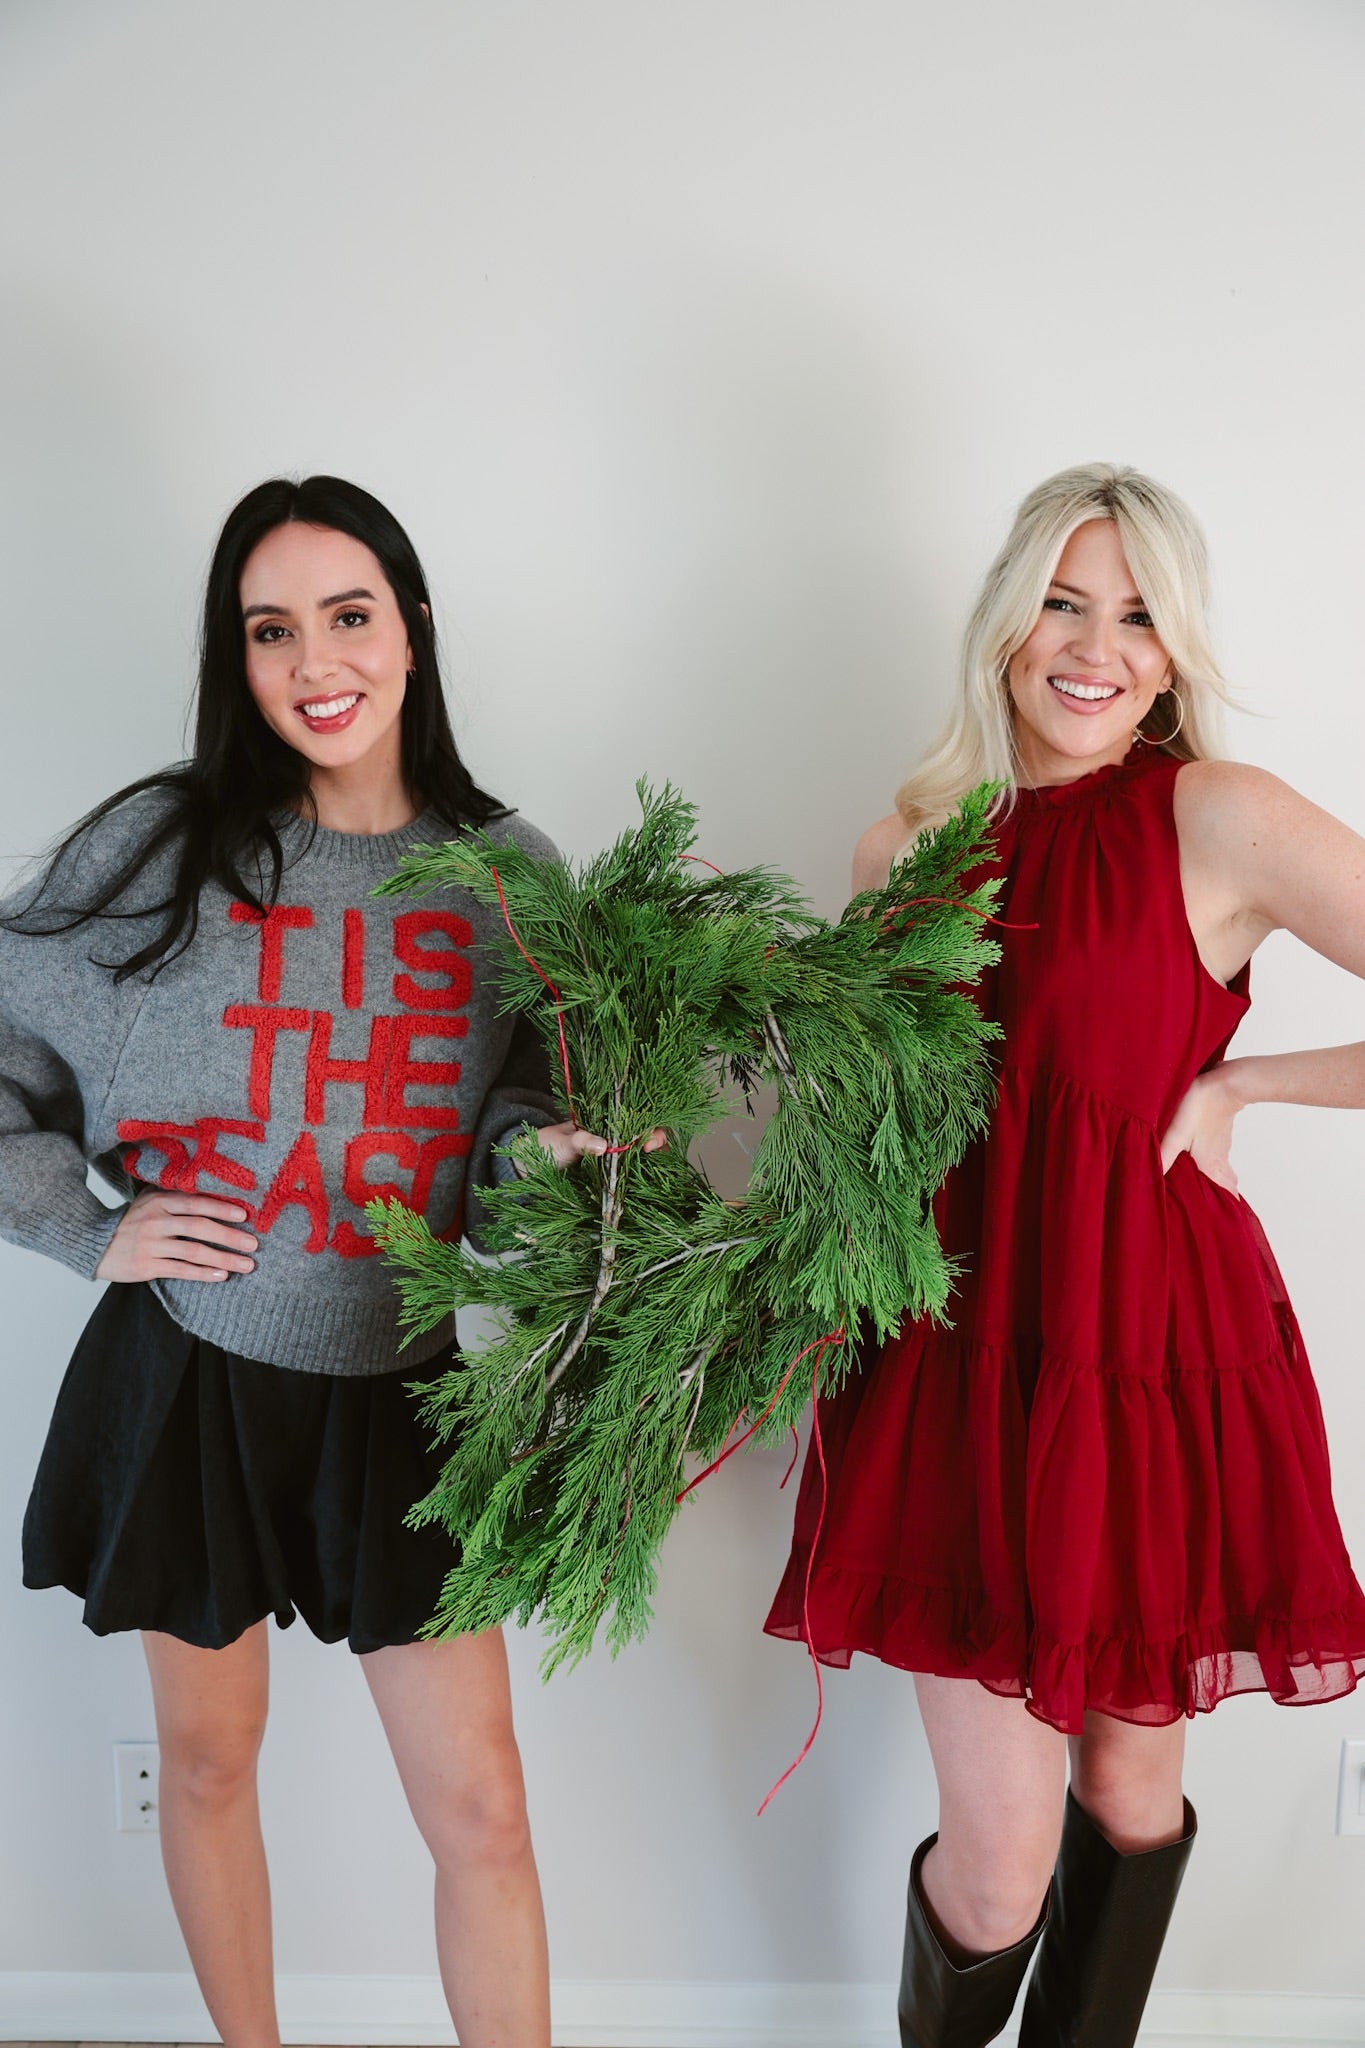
(876, 851)
(49, 992)
(1259, 858)
(45, 1204)
(63, 1023)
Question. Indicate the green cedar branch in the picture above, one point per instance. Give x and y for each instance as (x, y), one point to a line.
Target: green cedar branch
(638, 1315)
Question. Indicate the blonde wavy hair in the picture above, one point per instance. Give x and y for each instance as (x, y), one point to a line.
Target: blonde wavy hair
(1165, 550)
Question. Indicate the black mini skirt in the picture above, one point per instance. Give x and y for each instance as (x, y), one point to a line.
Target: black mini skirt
(185, 1489)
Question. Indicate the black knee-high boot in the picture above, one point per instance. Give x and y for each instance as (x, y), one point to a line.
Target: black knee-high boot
(942, 2006)
(1110, 1913)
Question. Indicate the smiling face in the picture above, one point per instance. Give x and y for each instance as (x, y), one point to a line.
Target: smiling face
(327, 653)
(1092, 667)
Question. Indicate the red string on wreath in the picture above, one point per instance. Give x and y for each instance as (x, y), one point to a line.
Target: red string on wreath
(955, 903)
(796, 1452)
(819, 1347)
(559, 1009)
(819, 1448)
(559, 1019)
(536, 968)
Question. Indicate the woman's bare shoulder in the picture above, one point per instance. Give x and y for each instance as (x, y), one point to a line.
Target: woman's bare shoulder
(877, 849)
(1274, 855)
(1232, 803)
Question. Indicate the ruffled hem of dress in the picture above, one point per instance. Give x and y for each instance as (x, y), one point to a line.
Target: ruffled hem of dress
(1297, 1661)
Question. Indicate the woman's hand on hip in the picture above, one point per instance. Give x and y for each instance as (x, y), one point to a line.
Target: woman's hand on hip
(566, 1144)
(165, 1236)
(1202, 1126)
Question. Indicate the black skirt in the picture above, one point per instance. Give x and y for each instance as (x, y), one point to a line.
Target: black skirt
(185, 1489)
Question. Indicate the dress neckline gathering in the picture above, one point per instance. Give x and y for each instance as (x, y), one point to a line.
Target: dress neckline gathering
(1056, 795)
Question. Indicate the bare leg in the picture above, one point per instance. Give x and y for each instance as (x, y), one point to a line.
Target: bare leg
(1001, 1778)
(210, 1717)
(1127, 1778)
(447, 1711)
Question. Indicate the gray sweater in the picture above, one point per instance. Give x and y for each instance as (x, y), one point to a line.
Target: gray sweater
(347, 1048)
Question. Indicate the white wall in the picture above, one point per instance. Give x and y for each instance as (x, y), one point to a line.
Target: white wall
(705, 349)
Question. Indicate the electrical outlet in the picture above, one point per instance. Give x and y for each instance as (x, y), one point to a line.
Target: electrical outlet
(137, 1768)
(1351, 1790)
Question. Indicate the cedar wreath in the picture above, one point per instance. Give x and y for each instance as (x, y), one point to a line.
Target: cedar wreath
(638, 1314)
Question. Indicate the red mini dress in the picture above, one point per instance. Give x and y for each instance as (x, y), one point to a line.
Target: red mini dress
(1106, 1486)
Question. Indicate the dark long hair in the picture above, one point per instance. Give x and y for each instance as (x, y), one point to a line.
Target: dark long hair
(218, 817)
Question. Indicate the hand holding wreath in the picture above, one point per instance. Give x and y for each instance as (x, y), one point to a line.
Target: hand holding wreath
(640, 1314)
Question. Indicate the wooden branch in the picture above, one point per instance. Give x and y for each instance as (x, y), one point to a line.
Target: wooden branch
(690, 1371)
(612, 1197)
(782, 1060)
(694, 1251)
(697, 1367)
(540, 1351)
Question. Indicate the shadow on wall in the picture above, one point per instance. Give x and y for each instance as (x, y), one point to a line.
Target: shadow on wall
(757, 488)
(777, 624)
(103, 578)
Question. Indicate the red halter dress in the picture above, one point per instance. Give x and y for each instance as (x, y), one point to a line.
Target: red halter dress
(1106, 1486)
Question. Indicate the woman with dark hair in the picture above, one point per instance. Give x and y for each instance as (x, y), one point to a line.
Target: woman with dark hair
(203, 999)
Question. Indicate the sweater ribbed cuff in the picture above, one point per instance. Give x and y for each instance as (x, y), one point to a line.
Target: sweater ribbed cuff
(77, 1234)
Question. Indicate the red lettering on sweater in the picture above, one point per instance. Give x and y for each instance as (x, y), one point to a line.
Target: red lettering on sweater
(266, 1024)
(406, 1152)
(402, 1143)
(353, 959)
(395, 1145)
(350, 1243)
(298, 1184)
(189, 1150)
(404, 1072)
(421, 1158)
(279, 919)
(409, 928)
(454, 1145)
(369, 1073)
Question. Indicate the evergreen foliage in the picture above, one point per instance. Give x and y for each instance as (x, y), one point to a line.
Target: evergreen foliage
(639, 1314)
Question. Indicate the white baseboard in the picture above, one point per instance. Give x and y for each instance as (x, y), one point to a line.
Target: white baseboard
(409, 2012)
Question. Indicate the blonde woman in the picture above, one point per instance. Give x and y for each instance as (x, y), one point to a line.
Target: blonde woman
(1057, 1513)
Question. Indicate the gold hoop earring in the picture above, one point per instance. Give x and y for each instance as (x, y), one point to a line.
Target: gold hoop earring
(1164, 739)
